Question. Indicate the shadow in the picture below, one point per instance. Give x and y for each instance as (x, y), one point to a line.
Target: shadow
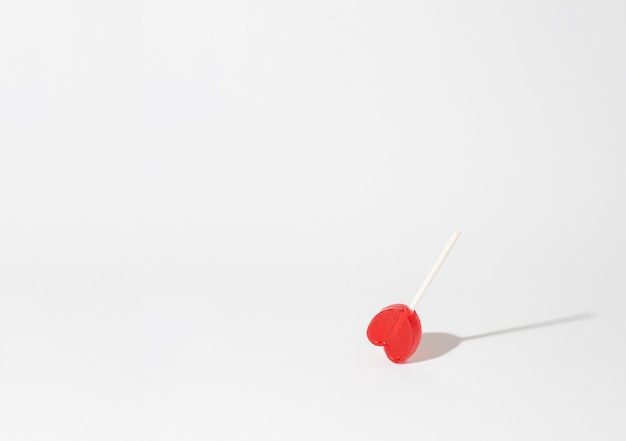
(436, 344)
(433, 345)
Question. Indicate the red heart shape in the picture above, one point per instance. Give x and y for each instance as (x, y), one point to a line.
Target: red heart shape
(397, 328)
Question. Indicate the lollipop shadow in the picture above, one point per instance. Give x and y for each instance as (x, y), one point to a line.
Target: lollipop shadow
(433, 345)
(436, 344)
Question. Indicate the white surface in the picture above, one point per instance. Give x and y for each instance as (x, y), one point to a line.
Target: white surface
(203, 204)
(433, 272)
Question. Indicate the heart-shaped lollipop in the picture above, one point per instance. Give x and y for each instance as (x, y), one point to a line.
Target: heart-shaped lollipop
(397, 327)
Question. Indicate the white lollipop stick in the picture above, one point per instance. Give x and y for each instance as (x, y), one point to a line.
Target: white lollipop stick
(433, 271)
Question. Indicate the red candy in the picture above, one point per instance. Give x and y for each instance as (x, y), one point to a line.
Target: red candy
(398, 329)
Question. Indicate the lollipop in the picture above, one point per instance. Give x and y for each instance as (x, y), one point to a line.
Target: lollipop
(397, 327)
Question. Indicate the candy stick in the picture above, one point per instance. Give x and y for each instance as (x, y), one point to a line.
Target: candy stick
(433, 271)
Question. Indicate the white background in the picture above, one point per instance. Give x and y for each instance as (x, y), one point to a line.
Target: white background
(203, 204)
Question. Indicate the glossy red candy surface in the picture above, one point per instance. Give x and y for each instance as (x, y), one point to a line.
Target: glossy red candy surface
(398, 329)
